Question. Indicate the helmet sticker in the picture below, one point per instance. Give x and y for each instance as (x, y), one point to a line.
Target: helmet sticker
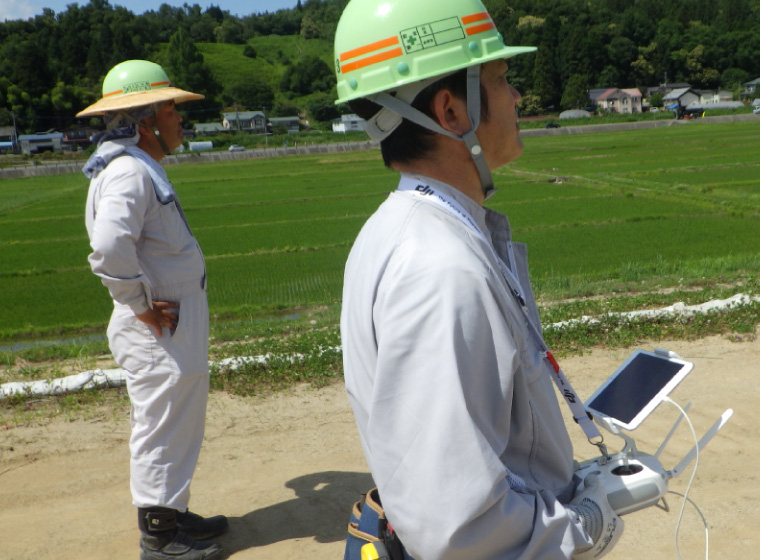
(432, 34)
(136, 86)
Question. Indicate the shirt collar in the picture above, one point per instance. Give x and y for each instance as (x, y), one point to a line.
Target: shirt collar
(488, 220)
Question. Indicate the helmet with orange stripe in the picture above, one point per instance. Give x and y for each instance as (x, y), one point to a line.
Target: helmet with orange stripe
(387, 51)
(136, 83)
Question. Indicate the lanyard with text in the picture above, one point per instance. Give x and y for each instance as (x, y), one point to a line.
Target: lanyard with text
(428, 193)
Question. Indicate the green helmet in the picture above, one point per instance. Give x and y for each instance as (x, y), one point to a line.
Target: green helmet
(135, 83)
(381, 45)
(388, 50)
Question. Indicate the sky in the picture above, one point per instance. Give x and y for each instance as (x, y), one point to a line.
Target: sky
(25, 9)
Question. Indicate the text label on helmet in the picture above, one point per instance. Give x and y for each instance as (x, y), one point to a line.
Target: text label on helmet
(432, 34)
(414, 39)
(136, 86)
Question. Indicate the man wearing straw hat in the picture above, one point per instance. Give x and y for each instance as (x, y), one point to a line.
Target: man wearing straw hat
(145, 254)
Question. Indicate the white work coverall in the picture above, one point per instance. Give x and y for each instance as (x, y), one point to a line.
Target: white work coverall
(452, 396)
(143, 251)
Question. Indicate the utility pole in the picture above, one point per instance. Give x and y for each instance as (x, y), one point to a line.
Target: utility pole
(14, 140)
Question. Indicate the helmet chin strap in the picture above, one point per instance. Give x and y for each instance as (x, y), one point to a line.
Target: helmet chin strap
(153, 128)
(161, 141)
(406, 111)
(469, 138)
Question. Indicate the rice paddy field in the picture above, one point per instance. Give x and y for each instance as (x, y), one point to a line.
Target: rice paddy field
(601, 213)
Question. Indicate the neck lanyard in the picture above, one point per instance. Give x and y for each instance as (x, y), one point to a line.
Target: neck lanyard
(427, 193)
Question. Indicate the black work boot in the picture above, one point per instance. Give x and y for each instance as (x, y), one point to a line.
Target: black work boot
(201, 528)
(162, 538)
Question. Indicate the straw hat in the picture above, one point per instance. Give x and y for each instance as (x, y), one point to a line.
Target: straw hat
(136, 83)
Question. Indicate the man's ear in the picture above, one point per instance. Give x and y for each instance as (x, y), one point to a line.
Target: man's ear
(148, 122)
(145, 128)
(450, 112)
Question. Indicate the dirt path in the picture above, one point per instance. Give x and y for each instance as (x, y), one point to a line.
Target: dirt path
(286, 469)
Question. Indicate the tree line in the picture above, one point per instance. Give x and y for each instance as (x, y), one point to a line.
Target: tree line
(628, 43)
(52, 65)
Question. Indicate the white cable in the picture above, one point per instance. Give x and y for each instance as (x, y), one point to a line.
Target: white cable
(704, 521)
(691, 481)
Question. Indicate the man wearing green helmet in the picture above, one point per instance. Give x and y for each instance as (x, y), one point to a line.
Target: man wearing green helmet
(145, 254)
(445, 367)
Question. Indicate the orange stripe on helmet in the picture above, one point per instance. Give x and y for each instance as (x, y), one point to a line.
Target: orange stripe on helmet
(480, 28)
(370, 60)
(160, 84)
(372, 47)
(475, 17)
(117, 92)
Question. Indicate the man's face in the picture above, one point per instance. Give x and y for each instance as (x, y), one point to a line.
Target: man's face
(169, 125)
(500, 135)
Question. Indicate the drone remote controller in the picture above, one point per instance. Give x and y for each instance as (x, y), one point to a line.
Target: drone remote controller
(635, 480)
(631, 483)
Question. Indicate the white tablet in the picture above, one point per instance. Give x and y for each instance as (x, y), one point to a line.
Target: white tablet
(631, 393)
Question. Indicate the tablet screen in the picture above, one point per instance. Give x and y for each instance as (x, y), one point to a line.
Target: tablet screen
(637, 387)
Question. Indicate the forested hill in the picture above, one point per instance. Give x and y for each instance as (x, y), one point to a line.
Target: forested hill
(51, 66)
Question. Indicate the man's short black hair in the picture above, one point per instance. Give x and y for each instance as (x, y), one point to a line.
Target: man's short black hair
(410, 141)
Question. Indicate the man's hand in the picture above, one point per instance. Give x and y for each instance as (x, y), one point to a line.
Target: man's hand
(599, 520)
(162, 314)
